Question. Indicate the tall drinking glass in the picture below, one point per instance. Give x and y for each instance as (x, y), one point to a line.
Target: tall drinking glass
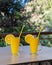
(33, 42)
(34, 45)
(15, 42)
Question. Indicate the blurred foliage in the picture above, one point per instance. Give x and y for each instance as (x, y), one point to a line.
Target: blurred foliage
(34, 14)
(2, 42)
(10, 11)
(39, 12)
(46, 40)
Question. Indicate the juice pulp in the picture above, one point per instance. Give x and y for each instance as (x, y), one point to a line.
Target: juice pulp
(34, 45)
(15, 45)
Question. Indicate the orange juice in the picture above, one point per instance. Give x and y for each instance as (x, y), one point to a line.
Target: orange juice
(34, 45)
(15, 45)
(33, 42)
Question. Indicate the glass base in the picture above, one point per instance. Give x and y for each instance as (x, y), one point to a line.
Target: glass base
(33, 53)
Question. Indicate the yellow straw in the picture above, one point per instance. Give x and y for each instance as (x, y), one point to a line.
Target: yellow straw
(40, 31)
(21, 30)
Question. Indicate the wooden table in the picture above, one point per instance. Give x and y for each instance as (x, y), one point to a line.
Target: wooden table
(44, 54)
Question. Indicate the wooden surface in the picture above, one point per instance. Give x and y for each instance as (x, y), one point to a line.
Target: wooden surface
(25, 33)
(24, 56)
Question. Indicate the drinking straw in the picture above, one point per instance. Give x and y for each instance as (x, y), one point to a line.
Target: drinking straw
(41, 27)
(21, 30)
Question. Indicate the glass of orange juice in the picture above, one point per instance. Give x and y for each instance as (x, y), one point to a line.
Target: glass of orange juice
(33, 42)
(34, 45)
(15, 42)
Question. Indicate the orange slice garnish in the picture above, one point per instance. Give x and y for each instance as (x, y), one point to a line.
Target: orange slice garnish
(8, 38)
(29, 38)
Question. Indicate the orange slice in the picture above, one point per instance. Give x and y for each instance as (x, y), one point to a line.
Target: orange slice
(8, 38)
(29, 38)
